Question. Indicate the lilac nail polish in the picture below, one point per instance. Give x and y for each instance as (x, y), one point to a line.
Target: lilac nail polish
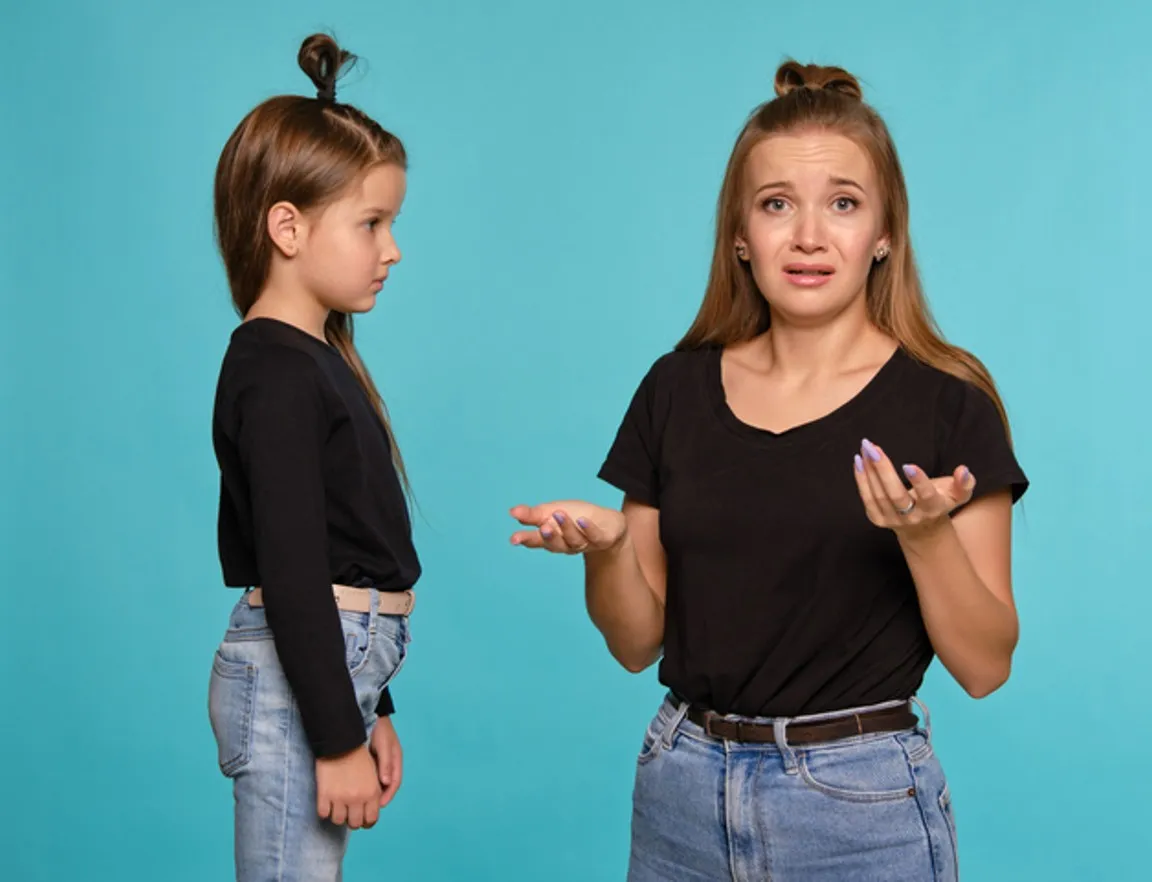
(546, 533)
(910, 471)
(559, 518)
(871, 451)
(859, 462)
(965, 475)
(582, 522)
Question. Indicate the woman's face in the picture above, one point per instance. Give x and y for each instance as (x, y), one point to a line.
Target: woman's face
(813, 223)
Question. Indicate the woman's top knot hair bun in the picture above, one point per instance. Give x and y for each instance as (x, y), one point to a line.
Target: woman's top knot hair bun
(322, 59)
(792, 76)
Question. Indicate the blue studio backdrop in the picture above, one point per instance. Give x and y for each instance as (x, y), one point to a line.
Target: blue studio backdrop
(565, 161)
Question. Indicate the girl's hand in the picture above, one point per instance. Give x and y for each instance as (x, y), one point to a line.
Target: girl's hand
(889, 504)
(347, 789)
(570, 527)
(385, 748)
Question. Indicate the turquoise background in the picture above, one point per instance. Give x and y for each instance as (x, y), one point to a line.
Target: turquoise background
(565, 163)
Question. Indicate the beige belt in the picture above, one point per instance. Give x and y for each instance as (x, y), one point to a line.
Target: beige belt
(392, 603)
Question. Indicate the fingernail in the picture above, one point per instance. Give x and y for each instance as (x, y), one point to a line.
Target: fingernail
(859, 462)
(910, 471)
(583, 522)
(965, 475)
(546, 533)
(871, 451)
(559, 518)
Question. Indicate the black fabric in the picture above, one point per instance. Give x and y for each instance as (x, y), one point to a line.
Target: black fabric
(782, 598)
(309, 497)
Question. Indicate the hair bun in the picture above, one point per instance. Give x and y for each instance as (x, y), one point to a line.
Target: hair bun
(322, 59)
(792, 76)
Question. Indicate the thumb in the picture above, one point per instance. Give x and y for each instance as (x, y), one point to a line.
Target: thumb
(384, 765)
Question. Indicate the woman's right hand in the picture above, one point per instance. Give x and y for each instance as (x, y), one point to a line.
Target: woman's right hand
(348, 788)
(570, 527)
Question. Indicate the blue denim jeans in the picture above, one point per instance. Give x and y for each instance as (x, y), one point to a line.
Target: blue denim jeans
(871, 807)
(262, 747)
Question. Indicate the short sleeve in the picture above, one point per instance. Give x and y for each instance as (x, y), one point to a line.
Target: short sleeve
(973, 435)
(633, 461)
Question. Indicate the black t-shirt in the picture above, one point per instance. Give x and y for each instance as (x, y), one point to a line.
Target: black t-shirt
(309, 497)
(782, 597)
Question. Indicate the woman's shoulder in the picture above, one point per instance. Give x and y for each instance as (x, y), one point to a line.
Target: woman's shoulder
(677, 365)
(954, 396)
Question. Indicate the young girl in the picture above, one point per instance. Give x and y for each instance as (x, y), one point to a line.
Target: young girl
(313, 517)
(769, 547)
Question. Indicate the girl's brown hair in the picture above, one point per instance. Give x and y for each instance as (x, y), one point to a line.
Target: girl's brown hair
(811, 97)
(306, 151)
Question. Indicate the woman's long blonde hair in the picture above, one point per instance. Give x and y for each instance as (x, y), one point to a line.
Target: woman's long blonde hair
(811, 97)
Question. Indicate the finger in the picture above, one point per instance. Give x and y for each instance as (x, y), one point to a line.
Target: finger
(324, 808)
(866, 494)
(384, 768)
(573, 537)
(596, 535)
(528, 538)
(927, 496)
(356, 815)
(891, 494)
(965, 483)
(527, 514)
(880, 501)
(553, 537)
(339, 813)
(371, 813)
(396, 776)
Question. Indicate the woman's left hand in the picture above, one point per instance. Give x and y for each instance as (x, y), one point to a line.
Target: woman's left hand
(890, 504)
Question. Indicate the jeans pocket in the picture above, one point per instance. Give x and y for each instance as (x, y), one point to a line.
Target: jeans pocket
(231, 707)
(358, 634)
(872, 770)
(394, 635)
(654, 735)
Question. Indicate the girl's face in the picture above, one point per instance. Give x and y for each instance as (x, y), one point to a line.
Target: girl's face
(348, 248)
(813, 224)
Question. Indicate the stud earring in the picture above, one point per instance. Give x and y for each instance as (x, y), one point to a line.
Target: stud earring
(881, 252)
(741, 252)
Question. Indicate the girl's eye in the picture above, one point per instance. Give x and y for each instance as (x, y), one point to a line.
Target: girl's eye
(774, 204)
(845, 203)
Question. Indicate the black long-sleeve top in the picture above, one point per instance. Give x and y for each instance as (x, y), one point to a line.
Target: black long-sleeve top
(309, 497)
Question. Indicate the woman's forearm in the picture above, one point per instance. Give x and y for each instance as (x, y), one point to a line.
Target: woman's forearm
(972, 631)
(623, 605)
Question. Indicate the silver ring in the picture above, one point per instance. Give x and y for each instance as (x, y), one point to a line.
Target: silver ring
(908, 509)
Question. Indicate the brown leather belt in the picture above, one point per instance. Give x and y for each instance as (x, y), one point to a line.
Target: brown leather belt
(891, 719)
(350, 599)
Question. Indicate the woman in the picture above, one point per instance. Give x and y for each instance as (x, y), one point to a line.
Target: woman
(768, 548)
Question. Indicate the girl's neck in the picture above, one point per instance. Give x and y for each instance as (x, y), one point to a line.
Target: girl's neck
(292, 308)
